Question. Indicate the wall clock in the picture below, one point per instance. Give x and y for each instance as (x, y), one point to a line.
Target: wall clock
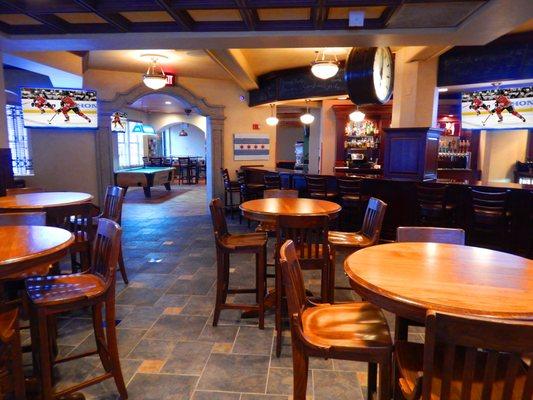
(369, 75)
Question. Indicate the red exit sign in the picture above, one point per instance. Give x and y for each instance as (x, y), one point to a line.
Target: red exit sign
(171, 79)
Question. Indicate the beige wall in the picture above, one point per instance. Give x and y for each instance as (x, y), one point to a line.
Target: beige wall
(286, 137)
(500, 152)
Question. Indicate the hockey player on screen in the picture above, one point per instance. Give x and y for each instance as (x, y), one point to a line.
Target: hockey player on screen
(503, 103)
(116, 120)
(41, 101)
(477, 103)
(67, 104)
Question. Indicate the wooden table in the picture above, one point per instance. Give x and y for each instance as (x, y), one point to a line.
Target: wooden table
(42, 200)
(27, 249)
(266, 210)
(410, 278)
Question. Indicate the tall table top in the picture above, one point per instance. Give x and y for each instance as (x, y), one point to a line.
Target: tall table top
(42, 200)
(24, 247)
(410, 278)
(267, 209)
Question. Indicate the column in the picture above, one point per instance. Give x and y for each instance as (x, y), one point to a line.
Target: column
(415, 98)
(214, 159)
(6, 171)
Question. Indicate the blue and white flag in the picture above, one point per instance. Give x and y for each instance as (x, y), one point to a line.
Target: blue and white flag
(248, 146)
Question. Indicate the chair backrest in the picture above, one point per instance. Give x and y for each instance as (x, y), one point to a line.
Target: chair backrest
(489, 350)
(493, 201)
(23, 218)
(316, 184)
(105, 251)
(220, 226)
(280, 194)
(156, 161)
(15, 191)
(225, 177)
(309, 235)
(76, 218)
(433, 195)
(349, 186)
(430, 234)
(184, 161)
(293, 280)
(114, 198)
(272, 181)
(373, 220)
(146, 161)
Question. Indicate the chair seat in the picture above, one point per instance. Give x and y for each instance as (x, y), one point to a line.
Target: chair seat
(346, 326)
(348, 239)
(409, 358)
(50, 290)
(8, 323)
(246, 241)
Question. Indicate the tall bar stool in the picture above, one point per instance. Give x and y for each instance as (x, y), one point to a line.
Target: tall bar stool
(353, 331)
(490, 217)
(353, 241)
(433, 207)
(351, 199)
(310, 238)
(272, 181)
(317, 188)
(226, 244)
(230, 188)
(51, 295)
(11, 372)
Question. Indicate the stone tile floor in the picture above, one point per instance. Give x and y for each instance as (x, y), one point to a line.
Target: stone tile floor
(168, 347)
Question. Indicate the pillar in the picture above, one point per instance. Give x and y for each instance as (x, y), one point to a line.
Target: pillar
(4, 141)
(214, 159)
(415, 98)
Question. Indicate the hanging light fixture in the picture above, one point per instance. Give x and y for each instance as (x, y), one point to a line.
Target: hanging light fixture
(323, 68)
(154, 77)
(183, 132)
(307, 118)
(357, 116)
(272, 120)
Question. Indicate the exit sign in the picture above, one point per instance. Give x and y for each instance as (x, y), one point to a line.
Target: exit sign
(171, 79)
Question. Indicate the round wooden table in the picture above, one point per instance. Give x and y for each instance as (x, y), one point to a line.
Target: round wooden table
(266, 210)
(42, 200)
(25, 250)
(408, 279)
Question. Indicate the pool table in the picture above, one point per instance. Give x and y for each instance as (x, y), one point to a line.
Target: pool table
(146, 177)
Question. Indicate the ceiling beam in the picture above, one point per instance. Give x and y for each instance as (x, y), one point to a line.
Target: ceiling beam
(182, 17)
(248, 15)
(319, 14)
(116, 20)
(55, 23)
(236, 65)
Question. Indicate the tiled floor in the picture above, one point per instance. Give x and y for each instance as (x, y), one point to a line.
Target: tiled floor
(168, 347)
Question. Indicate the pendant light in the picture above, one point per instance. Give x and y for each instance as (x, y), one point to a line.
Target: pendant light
(323, 68)
(272, 120)
(154, 77)
(307, 118)
(357, 116)
(183, 132)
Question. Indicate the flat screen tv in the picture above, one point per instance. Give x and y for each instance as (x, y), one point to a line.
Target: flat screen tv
(509, 108)
(59, 108)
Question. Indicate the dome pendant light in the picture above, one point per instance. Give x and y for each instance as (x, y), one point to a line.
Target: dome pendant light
(155, 77)
(183, 132)
(272, 120)
(307, 118)
(357, 116)
(323, 68)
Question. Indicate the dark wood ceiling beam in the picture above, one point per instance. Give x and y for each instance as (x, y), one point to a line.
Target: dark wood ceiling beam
(248, 15)
(319, 14)
(182, 17)
(51, 21)
(116, 20)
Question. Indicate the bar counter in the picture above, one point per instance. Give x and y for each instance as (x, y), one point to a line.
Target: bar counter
(400, 196)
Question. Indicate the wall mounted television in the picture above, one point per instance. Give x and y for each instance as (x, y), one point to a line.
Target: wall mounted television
(59, 108)
(502, 108)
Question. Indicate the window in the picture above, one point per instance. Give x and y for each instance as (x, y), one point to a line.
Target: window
(19, 142)
(130, 146)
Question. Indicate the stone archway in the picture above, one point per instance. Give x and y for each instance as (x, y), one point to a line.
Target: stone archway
(214, 132)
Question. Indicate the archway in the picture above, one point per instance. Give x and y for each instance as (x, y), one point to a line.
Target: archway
(214, 132)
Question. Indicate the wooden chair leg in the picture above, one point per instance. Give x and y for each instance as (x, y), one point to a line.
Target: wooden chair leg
(99, 337)
(279, 298)
(300, 367)
(219, 283)
(385, 380)
(260, 282)
(16, 362)
(112, 348)
(41, 347)
(122, 266)
(372, 380)
(85, 260)
(332, 268)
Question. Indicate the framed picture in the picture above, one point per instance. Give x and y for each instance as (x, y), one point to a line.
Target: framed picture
(251, 146)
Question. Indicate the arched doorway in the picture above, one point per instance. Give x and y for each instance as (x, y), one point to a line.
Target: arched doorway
(214, 132)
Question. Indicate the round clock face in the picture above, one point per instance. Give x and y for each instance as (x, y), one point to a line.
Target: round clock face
(382, 74)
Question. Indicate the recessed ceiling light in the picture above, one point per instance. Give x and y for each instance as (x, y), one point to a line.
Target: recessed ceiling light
(168, 102)
(443, 89)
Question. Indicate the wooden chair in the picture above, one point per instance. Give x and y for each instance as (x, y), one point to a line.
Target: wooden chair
(226, 244)
(353, 241)
(467, 358)
(230, 188)
(78, 219)
(146, 162)
(11, 372)
(24, 190)
(280, 194)
(433, 207)
(490, 216)
(272, 181)
(317, 187)
(354, 331)
(51, 295)
(114, 199)
(23, 218)
(184, 170)
(430, 234)
(310, 238)
(351, 199)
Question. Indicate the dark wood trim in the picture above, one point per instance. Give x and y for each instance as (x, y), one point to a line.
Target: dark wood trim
(6, 171)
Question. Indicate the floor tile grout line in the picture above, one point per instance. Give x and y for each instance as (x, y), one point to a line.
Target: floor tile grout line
(270, 360)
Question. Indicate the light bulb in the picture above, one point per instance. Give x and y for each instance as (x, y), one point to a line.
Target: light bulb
(307, 118)
(272, 121)
(357, 116)
(154, 82)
